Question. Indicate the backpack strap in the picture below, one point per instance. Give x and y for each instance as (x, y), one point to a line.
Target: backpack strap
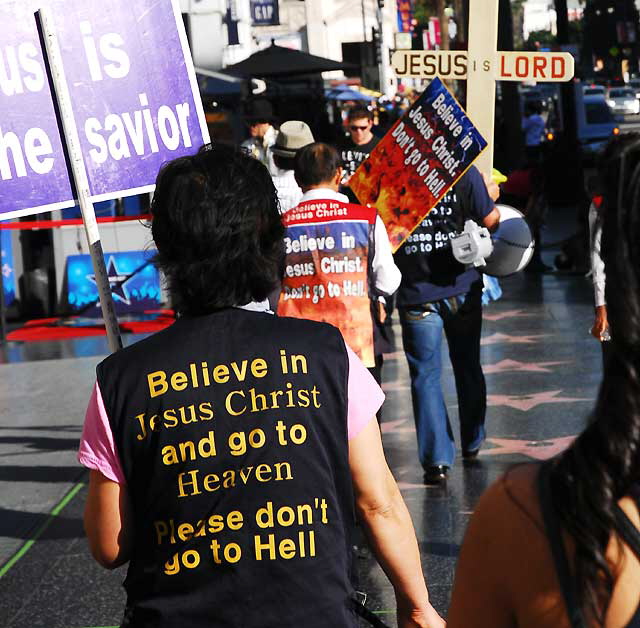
(628, 531)
(554, 535)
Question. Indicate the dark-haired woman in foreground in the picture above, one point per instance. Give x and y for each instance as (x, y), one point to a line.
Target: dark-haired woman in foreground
(227, 451)
(557, 545)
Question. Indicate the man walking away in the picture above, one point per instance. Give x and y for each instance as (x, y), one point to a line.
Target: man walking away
(439, 294)
(339, 257)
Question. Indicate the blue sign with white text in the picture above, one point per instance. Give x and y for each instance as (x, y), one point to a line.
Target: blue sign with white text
(264, 13)
(134, 281)
(134, 99)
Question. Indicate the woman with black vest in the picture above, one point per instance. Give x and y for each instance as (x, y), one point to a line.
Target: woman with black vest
(227, 451)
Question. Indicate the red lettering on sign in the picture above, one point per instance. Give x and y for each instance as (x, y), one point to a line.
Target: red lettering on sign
(522, 67)
(503, 69)
(539, 64)
(557, 67)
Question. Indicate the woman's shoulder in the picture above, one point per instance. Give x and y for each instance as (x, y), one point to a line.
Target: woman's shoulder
(513, 494)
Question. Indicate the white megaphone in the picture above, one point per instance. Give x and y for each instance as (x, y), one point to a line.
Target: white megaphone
(505, 251)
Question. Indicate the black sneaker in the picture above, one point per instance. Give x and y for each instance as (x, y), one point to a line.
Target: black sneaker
(435, 474)
(470, 454)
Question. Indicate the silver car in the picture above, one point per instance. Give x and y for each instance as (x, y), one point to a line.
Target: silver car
(634, 84)
(623, 100)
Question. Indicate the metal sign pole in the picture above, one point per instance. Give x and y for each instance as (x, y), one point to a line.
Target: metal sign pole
(72, 142)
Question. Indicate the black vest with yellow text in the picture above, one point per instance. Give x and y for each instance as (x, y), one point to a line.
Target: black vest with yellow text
(232, 433)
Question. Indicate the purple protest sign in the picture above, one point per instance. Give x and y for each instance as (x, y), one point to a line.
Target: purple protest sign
(134, 97)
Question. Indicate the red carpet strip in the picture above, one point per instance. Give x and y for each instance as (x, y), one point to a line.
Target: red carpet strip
(43, 329)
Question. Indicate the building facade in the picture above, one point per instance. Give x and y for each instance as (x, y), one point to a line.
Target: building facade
(223, 32)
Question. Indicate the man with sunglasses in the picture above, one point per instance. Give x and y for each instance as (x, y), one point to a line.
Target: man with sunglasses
(353, 151)
(361, 141)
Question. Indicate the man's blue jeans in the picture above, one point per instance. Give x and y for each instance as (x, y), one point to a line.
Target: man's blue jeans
(422, 326)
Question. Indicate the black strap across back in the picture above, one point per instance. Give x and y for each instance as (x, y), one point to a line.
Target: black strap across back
(625, 528)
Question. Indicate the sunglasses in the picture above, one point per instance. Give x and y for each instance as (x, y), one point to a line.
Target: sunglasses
(354, 127)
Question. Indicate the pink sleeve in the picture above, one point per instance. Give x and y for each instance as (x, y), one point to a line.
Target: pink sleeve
(364, 396)
(97, 449)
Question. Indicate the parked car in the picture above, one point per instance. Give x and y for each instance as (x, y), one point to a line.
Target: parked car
(593, 90)
(533, 95)
(622, 100)
(634, 84)
(550, 92)
(595, 122)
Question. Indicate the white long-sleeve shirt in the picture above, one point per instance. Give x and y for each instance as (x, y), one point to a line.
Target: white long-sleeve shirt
(289, 192)
(386, 275)
(597, 265)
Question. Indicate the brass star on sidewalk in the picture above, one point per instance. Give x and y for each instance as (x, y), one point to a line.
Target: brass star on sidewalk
(527, 402)
(510, 366)
(537, 449)
(498, 316)
(498, 338)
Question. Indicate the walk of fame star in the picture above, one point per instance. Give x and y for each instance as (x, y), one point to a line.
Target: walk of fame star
(394, 355)
(537, 449)
(395, 386)
(498, 338)
(509, 366)
(117, 282)
(397, 426)
(527, 402)
(404, 486)
(498, 316)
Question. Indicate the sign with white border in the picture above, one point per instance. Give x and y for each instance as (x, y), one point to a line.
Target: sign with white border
(133, 92)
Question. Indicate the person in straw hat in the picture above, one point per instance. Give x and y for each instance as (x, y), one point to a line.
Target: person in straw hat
(293, 135)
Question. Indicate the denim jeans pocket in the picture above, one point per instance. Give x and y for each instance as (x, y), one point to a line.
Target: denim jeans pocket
(416, 314)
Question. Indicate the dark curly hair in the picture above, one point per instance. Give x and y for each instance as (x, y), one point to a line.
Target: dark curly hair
(217, 227)
(603, 464)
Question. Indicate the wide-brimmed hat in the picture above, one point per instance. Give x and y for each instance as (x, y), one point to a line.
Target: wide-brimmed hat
(259, 110)
(292, 136)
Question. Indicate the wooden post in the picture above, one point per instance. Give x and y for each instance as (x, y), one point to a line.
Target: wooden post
(482, 65)
(481, 85)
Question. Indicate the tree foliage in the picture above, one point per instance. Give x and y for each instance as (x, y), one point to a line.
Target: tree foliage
(541, 38)
(423, 10)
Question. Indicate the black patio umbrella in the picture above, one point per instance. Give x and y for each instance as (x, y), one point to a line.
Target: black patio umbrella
(277, 61)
